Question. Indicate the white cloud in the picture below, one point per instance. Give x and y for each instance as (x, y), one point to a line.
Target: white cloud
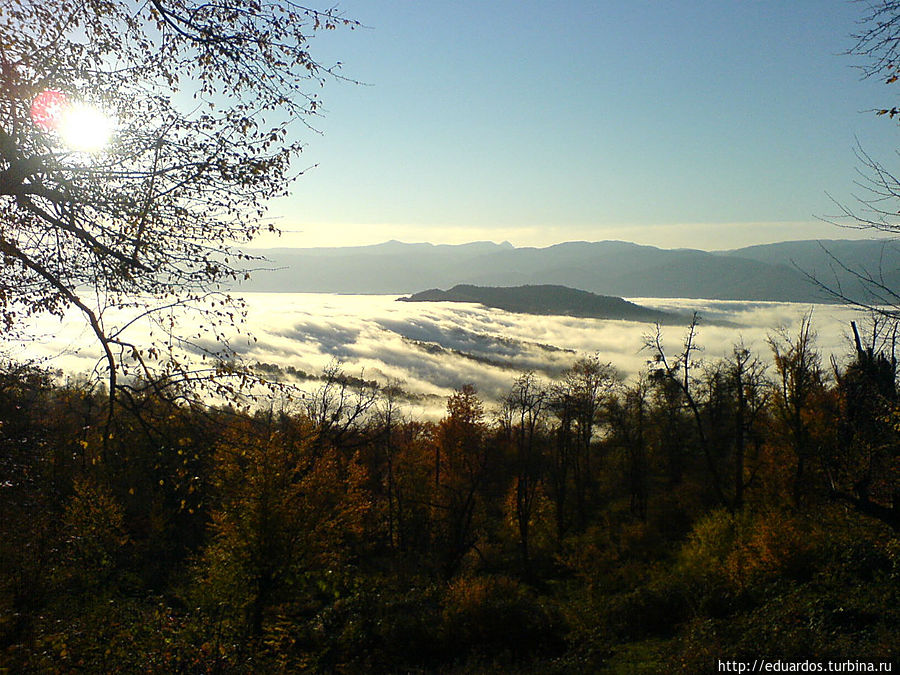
(436, 347)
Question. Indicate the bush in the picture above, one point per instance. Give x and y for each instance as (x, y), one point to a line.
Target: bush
(728, 554)
(375, 629)
(498, 616)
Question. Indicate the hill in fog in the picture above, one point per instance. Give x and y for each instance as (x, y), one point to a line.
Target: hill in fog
(548, 299)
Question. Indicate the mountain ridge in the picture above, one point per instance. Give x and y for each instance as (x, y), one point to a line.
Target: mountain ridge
(790, 271)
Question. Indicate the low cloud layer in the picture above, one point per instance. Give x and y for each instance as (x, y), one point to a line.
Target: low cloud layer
(434, 348)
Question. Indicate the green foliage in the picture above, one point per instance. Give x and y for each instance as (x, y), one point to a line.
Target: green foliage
(95, 534)
(726, 553)
(375, 628)
(124, 635)
(286, 508)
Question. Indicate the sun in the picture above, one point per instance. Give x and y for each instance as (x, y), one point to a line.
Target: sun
(84, 128)
(80, 126)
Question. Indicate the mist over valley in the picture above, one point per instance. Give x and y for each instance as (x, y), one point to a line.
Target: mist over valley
(432, 348)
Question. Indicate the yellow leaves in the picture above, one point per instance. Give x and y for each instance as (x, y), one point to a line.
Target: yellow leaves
(892, 418)
(94, 521)
(740, 549)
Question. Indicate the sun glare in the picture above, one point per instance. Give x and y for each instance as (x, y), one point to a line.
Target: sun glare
(80, 126)
(84, 127)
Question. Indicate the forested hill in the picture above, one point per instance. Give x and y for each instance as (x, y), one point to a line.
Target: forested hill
(548, 299)
(777, 272)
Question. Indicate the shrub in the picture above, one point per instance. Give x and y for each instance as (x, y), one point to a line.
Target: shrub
(498, 616)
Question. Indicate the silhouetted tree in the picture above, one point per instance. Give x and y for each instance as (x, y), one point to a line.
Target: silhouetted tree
(629, 416)
(745, 388)
(200, 100)
(341, 406)
(522, 417)
(877, 206)
(679, 372)
(864, 469)
(798, 389)
(460, 461)
(579, 399)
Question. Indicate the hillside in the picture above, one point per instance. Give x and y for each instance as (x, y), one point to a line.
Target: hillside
(836, 264)
(548, 299)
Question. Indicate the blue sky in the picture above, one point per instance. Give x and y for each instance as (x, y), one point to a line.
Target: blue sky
(711, 124)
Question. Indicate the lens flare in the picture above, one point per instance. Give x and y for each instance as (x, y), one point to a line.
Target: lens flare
(47, 108)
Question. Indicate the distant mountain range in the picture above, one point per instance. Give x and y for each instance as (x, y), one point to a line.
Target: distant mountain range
(783, 271)
(548, 299)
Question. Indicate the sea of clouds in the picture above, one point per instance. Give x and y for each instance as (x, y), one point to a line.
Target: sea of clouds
(433, 348)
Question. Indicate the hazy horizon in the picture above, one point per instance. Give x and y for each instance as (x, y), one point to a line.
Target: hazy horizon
(275, 243)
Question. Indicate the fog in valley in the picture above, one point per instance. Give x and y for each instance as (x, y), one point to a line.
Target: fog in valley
(433, 348)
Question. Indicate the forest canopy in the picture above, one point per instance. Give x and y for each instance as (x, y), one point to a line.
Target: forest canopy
(582, 525)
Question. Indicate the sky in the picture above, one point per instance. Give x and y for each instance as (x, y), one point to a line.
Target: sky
(698, 123)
